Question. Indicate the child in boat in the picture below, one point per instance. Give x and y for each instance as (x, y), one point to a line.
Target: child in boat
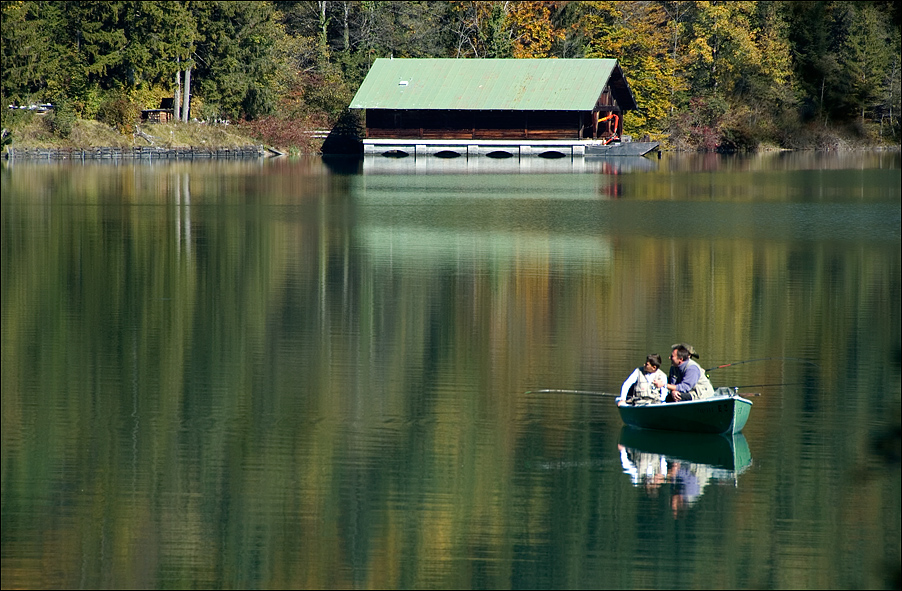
(640, 387)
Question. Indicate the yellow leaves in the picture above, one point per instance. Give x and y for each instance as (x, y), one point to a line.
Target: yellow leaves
(722, 41)
(509, 29)
(533, 31)
(701, 51)
(637, 35)
(602, 26)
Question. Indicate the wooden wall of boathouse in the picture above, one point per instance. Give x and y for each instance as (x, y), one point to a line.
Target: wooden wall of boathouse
(425, 124)
(491, 125)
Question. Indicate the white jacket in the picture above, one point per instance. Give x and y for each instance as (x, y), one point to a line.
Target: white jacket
(644, 384)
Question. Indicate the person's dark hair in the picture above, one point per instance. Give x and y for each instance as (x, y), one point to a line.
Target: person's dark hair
(689, 348)
(682, 352)
(654, 359)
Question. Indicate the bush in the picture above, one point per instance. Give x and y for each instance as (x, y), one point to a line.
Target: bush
(292, 135)
(62, 118)
(13, 119)
(741, 130)
(328, 94)
(87, 103)
(121, 112)
(258, 102)
(209, 112)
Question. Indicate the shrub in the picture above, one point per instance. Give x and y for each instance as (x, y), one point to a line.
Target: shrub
(119, 111)
(87, 103)
(328, 94)
(14, 119)
(62, 118)
(294, 135)
(209, 112)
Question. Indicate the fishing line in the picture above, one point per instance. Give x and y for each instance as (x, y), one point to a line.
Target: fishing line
(764, 359)
(769, 385)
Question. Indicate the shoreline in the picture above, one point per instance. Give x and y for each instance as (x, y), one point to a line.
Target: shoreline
(138, 153)
(250, 151)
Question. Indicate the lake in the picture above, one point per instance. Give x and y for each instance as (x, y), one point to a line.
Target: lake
(399, 373)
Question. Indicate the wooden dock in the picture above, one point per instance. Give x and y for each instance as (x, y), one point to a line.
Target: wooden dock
(135, 153)
(504, 148)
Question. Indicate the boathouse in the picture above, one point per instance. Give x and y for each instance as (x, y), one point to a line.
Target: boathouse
(496, 107)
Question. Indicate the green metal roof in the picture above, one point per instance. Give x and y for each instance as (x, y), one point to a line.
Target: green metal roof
(491, 84)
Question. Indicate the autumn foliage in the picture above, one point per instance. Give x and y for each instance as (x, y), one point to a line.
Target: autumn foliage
(706, 74)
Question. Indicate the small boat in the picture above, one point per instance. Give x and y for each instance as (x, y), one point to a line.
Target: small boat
(726, 412)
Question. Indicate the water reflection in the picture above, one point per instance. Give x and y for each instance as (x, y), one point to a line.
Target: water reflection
(182, 194)
(688, 462)
(289, 374)
(378, 164)
(783, 161)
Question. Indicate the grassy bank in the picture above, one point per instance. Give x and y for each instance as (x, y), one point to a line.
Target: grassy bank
(38, 131)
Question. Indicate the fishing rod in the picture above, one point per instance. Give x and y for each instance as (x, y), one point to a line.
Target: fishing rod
(558, 391)
(769, 385)
(595, 393)
(763, 359)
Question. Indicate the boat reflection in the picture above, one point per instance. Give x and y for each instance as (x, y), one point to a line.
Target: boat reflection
(379, 164)
(687, 462)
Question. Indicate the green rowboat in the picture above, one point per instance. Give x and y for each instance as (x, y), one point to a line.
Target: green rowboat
(725, 413)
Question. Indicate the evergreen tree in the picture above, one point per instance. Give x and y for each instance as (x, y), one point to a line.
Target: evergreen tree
(865, 58)
(236, 56)
(29, 52)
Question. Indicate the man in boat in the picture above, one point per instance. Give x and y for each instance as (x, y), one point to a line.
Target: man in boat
(640, 387)
(687, 379)
(690, 348)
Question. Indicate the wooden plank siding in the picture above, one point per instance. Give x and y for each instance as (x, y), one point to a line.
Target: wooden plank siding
(422, 124)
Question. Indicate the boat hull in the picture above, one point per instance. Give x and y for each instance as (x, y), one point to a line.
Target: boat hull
(722, 414)
(622, 149)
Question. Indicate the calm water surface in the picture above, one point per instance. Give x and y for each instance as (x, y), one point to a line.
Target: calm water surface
(396, 373)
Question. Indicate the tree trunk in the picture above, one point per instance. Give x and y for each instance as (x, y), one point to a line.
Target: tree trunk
(323, 25)
(186, 105)
(177, 99)
(346, 37)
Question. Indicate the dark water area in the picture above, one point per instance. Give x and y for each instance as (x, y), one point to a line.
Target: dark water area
(399, 373)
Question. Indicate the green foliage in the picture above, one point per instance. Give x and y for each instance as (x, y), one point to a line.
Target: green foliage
(846, 54)
(61, 118)
(12, 120)
(88, 102)
(495, 35)
(236, 56)
(36, 52)
(827, 61)
(120, 111)
(133, 43)
(207, 111)
(866, 56)
(389, 28)
(328, 94)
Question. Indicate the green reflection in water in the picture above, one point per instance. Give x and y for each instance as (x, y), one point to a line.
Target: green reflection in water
(273, 374)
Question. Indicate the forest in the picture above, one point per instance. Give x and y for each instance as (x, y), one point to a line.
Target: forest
(708, 75)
